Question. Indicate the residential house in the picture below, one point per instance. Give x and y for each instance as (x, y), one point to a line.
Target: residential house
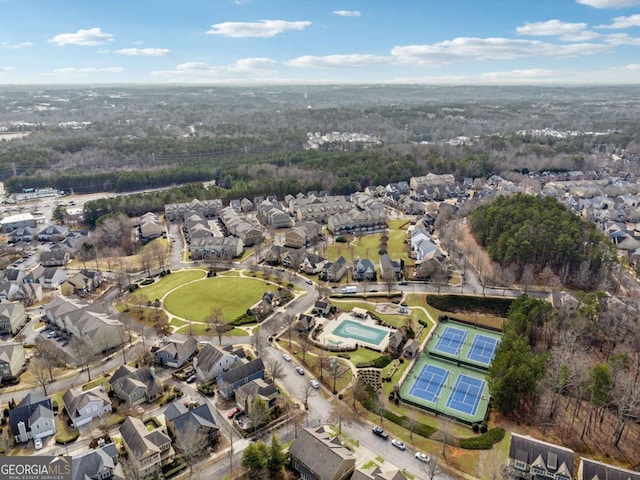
(135, 386)
(395, 341)
(183, 421)
(81, 283)
(363, 269)
(12, 317)
(317, 456)
(20, 220)
(311, 263)
(150, 227)
(53, 233)
(375, 472)
(592, 470)
(96, 329)
(390, 269)
(302, 234)
(239, 227)
(49, 277)
(95, 464)
(179, 211)
(211, 361)
(318, 208)
(334, 271)
(12, 360)
(84, 406)
(147, 450)
(54, 258)
(530, 459)
(22, 234)
(229, 382)
(32, 418)
(215, 247)
(175, 353)
(358, 221)
(273, 214)
(258, 388)
(8, 291)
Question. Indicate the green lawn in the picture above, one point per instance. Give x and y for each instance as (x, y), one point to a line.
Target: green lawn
(233, 295)
(168, 283)
(363, 355)
(199, 329)
(367, 246)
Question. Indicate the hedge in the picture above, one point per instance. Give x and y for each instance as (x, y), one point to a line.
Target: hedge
(243, 320)
(463, 303)
(379, 362)
(420, 428)
(485, 441)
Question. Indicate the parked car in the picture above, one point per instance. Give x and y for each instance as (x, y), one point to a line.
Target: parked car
(380, 432)
(191, 379)
(300, 370)
(423, 457)
(287, 357)
(234, 412)
(403, 283)
(308, 282)
(315, 383)
(52, 335)
(37, 443)
(398, 444)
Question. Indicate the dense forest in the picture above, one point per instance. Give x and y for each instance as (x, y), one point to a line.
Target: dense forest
(530, 234)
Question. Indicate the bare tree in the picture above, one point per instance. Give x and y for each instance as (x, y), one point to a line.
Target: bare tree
(305, 344)
(308, 391)
(445, 433)
(323, 358)
(83, 353)
(145, 261)
(159, 252)
(288, 320)
(274, 369)
(49, 354)
(215, 320)
(40, 371)
(342, 414)
(191, 444)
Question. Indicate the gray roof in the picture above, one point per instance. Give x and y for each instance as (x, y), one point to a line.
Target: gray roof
(92, 462)
(139, 440)
(24, 411)
(592, 470)
(209, 356)
(549, 457)
(242, 371)
(185, 420)
(325, 457)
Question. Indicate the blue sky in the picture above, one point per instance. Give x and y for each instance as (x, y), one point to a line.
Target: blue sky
(320, 41)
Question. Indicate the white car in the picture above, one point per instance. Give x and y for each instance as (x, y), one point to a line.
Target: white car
(315, 383)
(308, 282)
(287, 357)
(423, 457)
(398, 444)
(37, 443)
(300, 370)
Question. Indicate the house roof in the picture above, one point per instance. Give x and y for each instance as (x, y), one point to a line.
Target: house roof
(257, 387)
(141, 442)
(321, 454)
(132, 379)
(179, 348)
(242, 371)
(87, 465)
(9, 350)
(209, 356)
(75, 399)
(24, 411)
(185, 420)
(592, 470)
(550, 457)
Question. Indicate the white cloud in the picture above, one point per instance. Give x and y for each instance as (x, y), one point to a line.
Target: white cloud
(353, 60)
(466, 48)
(16, 45)
(347, 13)
(85, 71)
(86, 38)
(551, 28)
(261, 29)
(621, 39)
(4, 70)
(609, 3)
(519, 76)
(623, 22)
(143, 52)
(253, 69)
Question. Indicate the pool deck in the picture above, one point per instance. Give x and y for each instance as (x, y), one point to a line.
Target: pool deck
(328, 338)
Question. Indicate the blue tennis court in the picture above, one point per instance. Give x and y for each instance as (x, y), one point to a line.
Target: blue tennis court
(483, 349)
(429, 383)
(466, 394)
(451, 341)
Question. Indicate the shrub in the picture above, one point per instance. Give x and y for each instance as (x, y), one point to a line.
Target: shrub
(423, 323)
(147, 281)
(5, 412)
(341, 239)
(379, 362)
(343, 355)
(483, 442)
(244, 319)
(340, 396)
(483, 428)
(463, 303)
(475, 427)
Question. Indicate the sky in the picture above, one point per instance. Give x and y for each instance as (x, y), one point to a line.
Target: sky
(256, 42)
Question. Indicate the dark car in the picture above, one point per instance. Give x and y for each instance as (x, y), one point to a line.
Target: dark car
(380, 432)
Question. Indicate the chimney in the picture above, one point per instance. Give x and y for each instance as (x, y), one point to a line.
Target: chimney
(152, 370)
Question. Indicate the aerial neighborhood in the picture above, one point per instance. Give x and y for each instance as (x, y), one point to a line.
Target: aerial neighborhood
(320, 282)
